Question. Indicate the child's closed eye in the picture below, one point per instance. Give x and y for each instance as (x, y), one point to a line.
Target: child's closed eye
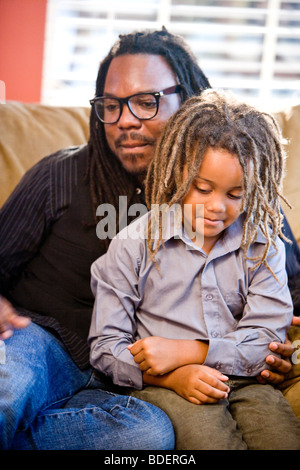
(235, 196)
(202, 190)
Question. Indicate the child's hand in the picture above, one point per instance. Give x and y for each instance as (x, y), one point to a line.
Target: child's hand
(155, 355)
(199, 384)
(158, 356)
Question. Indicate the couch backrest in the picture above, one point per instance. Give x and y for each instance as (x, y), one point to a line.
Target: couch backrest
(29, 132)
(289, 121)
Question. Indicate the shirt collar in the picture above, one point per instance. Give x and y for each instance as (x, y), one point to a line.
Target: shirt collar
(229, 241)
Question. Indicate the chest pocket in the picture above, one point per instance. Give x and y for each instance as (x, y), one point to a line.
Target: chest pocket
(235, 301)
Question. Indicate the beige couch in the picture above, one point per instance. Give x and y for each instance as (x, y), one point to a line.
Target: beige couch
(31, 131)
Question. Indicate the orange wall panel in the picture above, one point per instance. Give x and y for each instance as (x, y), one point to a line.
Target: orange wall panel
(22, 35)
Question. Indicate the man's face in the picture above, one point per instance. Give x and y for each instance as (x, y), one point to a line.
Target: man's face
(133, 140)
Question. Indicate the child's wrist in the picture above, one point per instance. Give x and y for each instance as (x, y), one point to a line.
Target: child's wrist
(192, 352)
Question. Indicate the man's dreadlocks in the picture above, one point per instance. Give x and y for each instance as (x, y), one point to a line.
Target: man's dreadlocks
(105, 174)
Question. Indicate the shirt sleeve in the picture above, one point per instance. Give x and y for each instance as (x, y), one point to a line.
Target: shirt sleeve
(114, 283)
(266, 317)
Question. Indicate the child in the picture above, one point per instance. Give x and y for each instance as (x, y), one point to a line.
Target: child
(184, 312)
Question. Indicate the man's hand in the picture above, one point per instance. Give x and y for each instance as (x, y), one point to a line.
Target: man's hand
(10, 320)
(280, 366)
(296, 321)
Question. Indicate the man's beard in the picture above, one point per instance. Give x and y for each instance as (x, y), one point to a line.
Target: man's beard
(134, 170)
(133, 161)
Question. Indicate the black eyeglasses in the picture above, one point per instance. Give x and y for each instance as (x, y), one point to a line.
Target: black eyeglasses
(142, 105)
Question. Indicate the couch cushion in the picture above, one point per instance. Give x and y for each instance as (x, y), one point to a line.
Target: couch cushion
(32, 131)
(291, 386)
(289, 121)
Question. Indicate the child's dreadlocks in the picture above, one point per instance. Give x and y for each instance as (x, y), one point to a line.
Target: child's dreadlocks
(216, 119)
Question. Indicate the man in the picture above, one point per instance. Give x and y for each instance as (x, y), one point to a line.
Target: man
(48, 242)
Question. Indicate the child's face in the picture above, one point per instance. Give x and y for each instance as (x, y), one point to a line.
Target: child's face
(218, 188)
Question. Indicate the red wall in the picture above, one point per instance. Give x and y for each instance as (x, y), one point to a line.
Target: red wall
(22, 33)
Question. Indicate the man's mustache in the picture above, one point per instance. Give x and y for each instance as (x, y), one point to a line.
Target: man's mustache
(135, 137)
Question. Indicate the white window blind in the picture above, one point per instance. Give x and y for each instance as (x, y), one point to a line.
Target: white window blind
(251, 47)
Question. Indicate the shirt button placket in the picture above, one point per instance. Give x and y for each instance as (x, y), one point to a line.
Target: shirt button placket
(214, 333)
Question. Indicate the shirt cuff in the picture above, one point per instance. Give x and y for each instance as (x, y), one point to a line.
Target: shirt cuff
(121, 372)
(233, 359)
(129, 376)
(217, 349)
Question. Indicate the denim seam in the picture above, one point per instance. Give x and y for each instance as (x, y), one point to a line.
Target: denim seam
(74, 411)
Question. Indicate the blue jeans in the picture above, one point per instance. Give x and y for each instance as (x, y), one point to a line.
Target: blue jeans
(47, 403)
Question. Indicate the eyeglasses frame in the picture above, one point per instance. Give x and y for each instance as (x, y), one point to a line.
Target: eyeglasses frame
(157, 95)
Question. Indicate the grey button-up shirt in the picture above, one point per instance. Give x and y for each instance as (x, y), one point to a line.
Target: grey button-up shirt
(217, 298)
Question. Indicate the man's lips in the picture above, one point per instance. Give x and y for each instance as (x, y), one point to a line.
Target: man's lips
(133, 140)
(132, 145)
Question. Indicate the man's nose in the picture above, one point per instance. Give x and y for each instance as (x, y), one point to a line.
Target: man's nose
(127, 119)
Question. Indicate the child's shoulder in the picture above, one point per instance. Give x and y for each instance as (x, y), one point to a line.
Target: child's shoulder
(260, 239)
(136, 230)
(275, 254)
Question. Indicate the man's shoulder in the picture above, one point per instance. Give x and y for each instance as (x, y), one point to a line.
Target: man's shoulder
(69, 155)
(61, 158)
(68, 161)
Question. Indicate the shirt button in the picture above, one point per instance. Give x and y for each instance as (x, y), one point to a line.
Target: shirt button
(249, 370)
(214, 334)
(209, 297)
(130, 382)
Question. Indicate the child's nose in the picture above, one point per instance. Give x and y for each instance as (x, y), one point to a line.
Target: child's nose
(217, 203)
